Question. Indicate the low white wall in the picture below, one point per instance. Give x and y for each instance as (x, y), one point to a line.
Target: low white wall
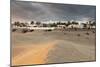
(36, 28)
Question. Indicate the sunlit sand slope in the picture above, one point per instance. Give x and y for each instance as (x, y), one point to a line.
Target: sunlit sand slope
(41, 47)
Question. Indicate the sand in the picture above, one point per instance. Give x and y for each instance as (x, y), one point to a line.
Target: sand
(36, 55)
(40, 47)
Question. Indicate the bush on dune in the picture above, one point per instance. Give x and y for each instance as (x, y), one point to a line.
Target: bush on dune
(13, 30)
(48, 30)
(31, 30)
(87, 33)
(24, 30)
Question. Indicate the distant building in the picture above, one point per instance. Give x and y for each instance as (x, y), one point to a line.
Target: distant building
(61, 26)
(73, 26)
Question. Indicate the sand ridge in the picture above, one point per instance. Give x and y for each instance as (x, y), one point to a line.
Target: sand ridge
(52, 47)
(35, 55)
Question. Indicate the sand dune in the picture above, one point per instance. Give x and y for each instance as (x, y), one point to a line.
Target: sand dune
(52, 47)
(33, 54)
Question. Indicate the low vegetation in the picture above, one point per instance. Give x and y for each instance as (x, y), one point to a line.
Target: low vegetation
(63, 26)
(24, 30)
(13, 30)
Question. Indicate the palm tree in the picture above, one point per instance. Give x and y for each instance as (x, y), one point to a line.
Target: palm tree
(17, 23)
(68, 23)
(84, 25)
(74, 22)
(38, 23)
(44, 25)
(32, 22)
(89, 25)
(58, 23)
(93, 24)
(53, 25)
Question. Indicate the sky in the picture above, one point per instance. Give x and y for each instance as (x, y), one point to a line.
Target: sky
(26, 11)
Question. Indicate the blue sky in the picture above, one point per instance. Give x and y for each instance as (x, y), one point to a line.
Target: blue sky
(28, 11)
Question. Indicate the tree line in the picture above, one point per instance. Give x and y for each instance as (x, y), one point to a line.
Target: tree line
(38, 23)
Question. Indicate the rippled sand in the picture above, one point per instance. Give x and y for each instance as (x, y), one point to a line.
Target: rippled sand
(32, 54)
(40, 47)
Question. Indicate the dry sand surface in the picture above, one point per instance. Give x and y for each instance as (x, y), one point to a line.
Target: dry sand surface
(41, 47)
